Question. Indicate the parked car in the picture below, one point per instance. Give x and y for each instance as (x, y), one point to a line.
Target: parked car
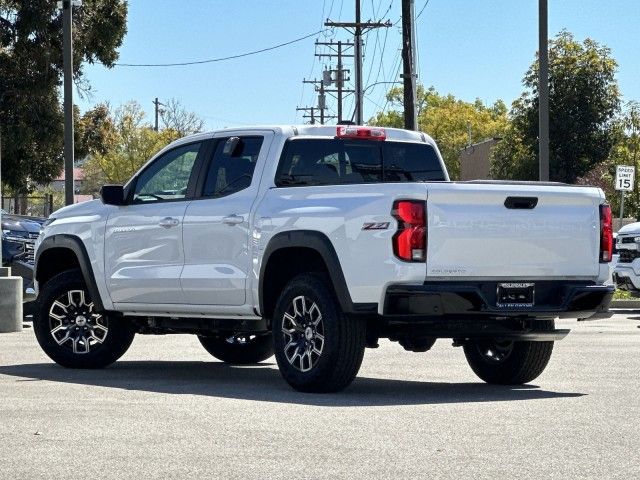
(19, 234)
(626, 273)
(313, 242)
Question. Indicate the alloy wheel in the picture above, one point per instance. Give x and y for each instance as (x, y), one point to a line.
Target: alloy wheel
(74, 324)
(303, 332)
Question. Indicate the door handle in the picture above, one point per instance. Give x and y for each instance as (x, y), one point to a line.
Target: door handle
(169, 222)
(233, 219)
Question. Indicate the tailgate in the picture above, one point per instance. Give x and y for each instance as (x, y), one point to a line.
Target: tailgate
(471, 233)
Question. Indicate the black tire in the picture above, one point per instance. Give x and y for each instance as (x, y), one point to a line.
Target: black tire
(509, 363)
(82, 338)
(239, 349)
(341, 347)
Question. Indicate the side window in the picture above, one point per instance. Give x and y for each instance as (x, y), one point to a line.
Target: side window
(167, 178)
(329, 162)
(232, 166)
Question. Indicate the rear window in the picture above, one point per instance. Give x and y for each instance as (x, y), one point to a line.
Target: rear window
(338, 162)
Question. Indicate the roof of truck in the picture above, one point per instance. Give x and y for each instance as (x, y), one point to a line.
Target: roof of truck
(310, 131)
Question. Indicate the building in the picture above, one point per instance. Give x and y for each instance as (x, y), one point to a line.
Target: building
(57, 183)
(475, 160)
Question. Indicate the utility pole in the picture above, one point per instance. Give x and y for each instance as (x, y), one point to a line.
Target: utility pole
(409, 65)
(311, 115)
(543, 91)
(322, 103)
(340, 81)
(67, 61)
(357, 39)
(358, 28)
(157, 105)
(337, 50)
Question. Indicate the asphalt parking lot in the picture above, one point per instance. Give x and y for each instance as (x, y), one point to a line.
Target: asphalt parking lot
(168, 410)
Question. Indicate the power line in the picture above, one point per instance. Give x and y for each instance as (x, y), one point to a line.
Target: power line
(397, 72)
(422, 9)
(221, 59)
(384, 46)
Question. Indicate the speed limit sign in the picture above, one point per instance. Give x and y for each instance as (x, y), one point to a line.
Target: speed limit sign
(624, 178)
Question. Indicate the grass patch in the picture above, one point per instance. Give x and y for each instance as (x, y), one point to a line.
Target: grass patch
(624, 295)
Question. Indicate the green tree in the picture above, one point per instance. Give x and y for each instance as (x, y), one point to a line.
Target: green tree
(449, 121)
(625, 151)
(583, 102)
(30, 76)
(95, 132)
(133, 142)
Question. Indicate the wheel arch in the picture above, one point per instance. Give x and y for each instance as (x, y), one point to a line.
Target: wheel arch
(294, 247)
(64, 252)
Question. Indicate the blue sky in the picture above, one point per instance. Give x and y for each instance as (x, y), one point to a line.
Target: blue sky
(470, 48)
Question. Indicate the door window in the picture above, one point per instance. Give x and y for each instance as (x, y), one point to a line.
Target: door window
(167, 178)
(232, 166)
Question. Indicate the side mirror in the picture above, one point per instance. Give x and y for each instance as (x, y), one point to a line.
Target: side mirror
(112, 194)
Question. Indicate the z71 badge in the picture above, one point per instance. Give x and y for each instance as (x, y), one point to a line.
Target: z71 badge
(375, 226)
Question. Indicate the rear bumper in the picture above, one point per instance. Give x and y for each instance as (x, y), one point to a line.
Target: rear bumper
(468, 300)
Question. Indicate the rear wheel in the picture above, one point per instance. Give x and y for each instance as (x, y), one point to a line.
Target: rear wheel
(318, 348)
(239, 349)
(506, 362)
(69, 329)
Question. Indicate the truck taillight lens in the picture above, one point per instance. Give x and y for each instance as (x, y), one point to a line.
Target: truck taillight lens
(606, 234)
(410, 241)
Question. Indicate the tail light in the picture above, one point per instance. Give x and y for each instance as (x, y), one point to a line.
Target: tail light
(363, 133)
(410, 241)
(606, 234)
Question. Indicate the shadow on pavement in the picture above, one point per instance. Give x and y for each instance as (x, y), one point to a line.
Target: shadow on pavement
(263, 383)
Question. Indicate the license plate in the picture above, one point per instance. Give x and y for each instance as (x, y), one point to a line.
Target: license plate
(515, 295)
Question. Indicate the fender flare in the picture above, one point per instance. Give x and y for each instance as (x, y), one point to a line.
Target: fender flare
(73, 243)
(319, 242)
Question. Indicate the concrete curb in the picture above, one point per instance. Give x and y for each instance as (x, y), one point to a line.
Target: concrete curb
(625, 304)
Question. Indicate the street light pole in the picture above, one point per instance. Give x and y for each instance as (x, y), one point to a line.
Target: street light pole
(543, 91)
(1, 188)
(2, 95)
(67, 60)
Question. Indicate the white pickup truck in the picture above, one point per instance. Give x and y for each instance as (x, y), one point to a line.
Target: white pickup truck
(626, 273)
(313, 242)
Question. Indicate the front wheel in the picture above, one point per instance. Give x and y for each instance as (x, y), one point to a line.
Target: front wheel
(507, 362)
(318, 348)
(239, 349)
(69, 329)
